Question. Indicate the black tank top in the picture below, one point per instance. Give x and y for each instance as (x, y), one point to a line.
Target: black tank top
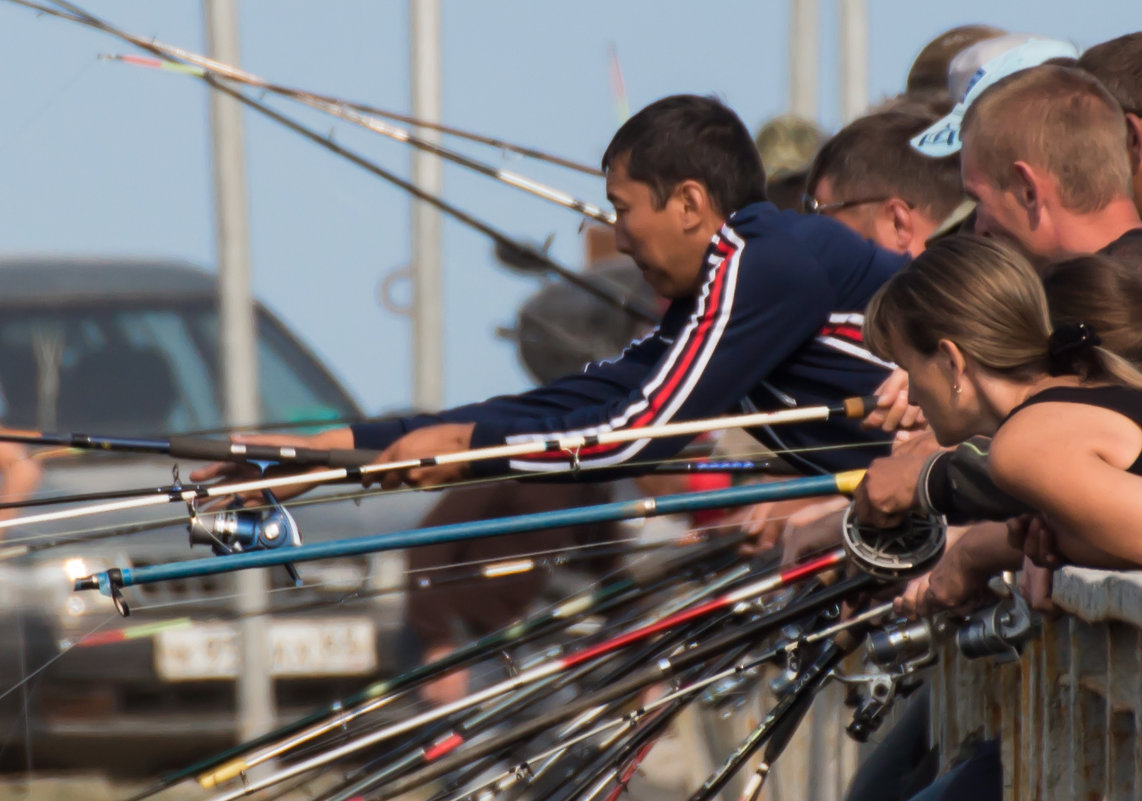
(1127, 401)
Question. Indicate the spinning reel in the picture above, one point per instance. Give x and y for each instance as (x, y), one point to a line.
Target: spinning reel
(240, 530)
(236, 530)
(999, 631)
(894, 553)
(898, 653)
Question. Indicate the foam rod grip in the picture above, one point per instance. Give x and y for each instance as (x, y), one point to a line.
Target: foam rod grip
(859, 408)
(185, 447)
(211, 450)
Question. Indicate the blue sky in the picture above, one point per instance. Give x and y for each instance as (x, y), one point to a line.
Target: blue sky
(102, 158)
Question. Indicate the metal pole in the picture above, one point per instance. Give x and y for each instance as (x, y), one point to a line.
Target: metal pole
(427, 173)
(238, 352)
(853, 20)
(803, 38)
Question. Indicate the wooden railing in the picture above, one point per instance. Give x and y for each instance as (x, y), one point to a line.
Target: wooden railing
(1068, 712)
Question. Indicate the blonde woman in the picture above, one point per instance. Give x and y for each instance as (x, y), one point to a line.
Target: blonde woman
(968, 320)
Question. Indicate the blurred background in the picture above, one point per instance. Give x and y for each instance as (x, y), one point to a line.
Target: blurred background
(105, 164)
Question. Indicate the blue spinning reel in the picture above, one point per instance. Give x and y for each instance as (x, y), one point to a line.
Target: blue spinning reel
(241, 530)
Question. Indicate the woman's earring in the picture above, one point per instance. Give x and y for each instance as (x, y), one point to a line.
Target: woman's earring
(956, 389)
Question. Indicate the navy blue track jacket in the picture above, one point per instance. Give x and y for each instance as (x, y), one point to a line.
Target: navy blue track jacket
(775, 324)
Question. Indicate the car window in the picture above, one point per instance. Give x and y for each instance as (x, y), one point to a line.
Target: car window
(292, 385)
(145, 371)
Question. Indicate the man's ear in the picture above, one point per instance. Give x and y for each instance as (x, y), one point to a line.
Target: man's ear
(902, 217)
(694, 204)
(1030, 191)
(1134, 140)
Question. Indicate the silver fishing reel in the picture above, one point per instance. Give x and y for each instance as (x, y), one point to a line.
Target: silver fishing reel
(894, 553)
(910, 642)
(999, 631)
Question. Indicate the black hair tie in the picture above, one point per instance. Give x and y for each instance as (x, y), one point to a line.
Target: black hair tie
(1069, 344)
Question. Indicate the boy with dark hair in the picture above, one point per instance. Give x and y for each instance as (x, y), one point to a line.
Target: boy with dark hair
(765, 311)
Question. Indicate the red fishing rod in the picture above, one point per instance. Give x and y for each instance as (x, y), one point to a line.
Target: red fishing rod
(724, 602)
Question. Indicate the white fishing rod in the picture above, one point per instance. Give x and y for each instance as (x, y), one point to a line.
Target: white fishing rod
(355, 465)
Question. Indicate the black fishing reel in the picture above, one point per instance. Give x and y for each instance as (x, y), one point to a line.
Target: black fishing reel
(897, 653)
(873, 705)
(999, 631)
(895, 553)
(241, 530)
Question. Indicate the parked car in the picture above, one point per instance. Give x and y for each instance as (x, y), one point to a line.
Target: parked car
(130, 347)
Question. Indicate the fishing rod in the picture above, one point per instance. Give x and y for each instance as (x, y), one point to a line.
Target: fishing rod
(355, 464)
(535, 772)
(565, 740)
(780, 734)
(216, 450)
(489, 571)
(716, 466)
(595, 602)
(234, 74)
(637, 583)
(526, 253)
(605, 766)
(20, 546)
(618, 755)
(519, 772)
(747, 467)
(510, 704)
(440, 741)
(662, 670)
(200, 64)
(225, 72)
(434, 741)
(726, 601)
(796, 698)
(111, 582)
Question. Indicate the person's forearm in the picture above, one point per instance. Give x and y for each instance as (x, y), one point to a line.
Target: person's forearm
(961, 575)
(983, 549)
(957, 484)
(334, 439)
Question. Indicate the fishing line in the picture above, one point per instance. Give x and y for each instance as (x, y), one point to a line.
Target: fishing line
(65, 88)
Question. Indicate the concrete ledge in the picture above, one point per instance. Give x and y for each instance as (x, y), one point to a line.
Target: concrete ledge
(1098, 595)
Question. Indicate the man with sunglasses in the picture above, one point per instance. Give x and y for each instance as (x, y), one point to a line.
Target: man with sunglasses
(869, 178)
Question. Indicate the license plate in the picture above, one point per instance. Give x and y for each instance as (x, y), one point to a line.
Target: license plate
(337, 647)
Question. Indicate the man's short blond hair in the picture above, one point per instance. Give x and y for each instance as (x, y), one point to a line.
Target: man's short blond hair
(1059, 119)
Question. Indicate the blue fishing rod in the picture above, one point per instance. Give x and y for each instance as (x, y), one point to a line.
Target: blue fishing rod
(278, 552)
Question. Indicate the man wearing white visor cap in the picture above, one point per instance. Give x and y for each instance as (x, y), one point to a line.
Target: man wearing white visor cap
(997, 58)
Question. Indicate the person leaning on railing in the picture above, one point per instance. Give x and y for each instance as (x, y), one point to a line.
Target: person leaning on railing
(969, 322)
